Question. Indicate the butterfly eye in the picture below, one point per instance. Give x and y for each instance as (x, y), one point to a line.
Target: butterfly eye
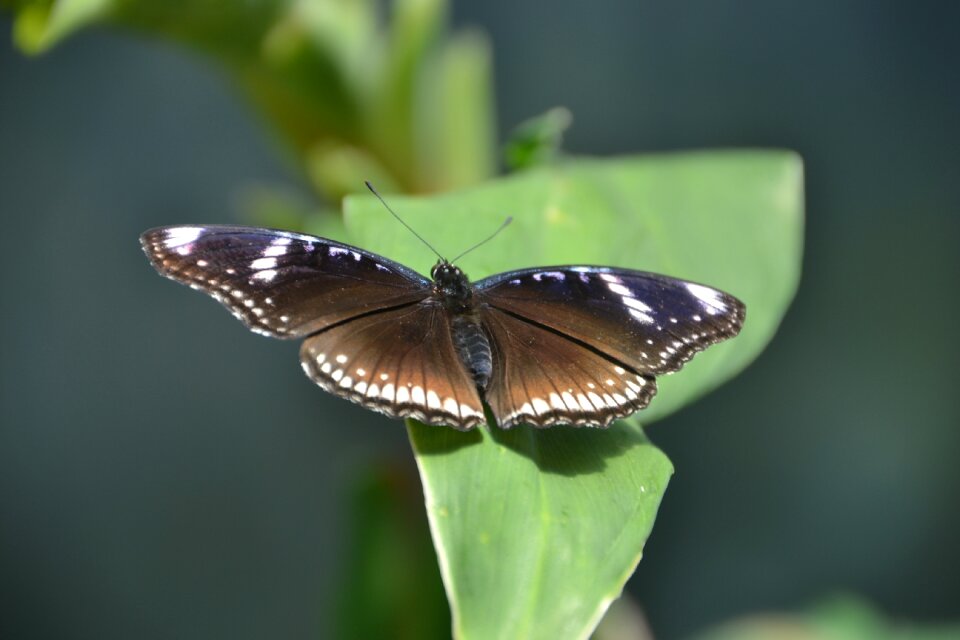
(444, 272)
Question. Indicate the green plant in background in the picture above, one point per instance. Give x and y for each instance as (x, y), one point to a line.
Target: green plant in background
(536, 532)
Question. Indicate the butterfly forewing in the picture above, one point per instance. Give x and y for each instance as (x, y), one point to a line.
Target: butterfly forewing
(543, 378)
(649, 323)
(401, 362)
(279, 283)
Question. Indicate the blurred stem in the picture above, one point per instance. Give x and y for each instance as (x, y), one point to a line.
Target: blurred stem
(403, 103)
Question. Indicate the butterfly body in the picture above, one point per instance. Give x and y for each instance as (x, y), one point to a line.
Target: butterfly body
(453, 290)
(578, 345)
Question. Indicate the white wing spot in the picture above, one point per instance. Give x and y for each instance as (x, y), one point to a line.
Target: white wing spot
(416, 394)
(277, 248)
(341, 358)
(263, 263)
(540, 406)
(181, 235)
(633, 303)
(450, 406)
(361, 371)
(266, 275)
(551, 275)
(709, 298)
(468, 411)
(585, 403)
(384, 376)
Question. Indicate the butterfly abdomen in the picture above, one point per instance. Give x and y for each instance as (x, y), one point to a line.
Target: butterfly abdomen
(473, 347)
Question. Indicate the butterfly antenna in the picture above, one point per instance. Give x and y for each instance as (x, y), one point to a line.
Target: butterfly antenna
(384, 202)
(488, 239)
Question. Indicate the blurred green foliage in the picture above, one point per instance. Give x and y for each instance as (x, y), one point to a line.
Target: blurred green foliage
(842, 617)
(355, 96)
(537, 141)
(391, 585)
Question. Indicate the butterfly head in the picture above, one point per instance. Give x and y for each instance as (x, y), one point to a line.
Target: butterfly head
(450, 282)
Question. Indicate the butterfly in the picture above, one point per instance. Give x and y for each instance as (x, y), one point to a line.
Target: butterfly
(575, 345)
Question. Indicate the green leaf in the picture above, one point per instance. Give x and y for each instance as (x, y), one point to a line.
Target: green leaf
(729, 219)
(537, 531)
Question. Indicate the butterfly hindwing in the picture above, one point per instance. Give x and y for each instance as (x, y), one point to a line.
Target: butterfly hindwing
(401, 362)
(648, 322)
(542, 378)
(280, 283)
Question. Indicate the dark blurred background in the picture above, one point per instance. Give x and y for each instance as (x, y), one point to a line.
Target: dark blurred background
(164, 473)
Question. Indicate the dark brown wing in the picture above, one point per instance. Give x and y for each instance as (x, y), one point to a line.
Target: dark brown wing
(649, 322)
(400, 362)
(542, 378)
(279, 283)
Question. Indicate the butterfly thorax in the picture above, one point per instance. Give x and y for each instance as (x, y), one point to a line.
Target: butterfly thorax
(453, 290)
